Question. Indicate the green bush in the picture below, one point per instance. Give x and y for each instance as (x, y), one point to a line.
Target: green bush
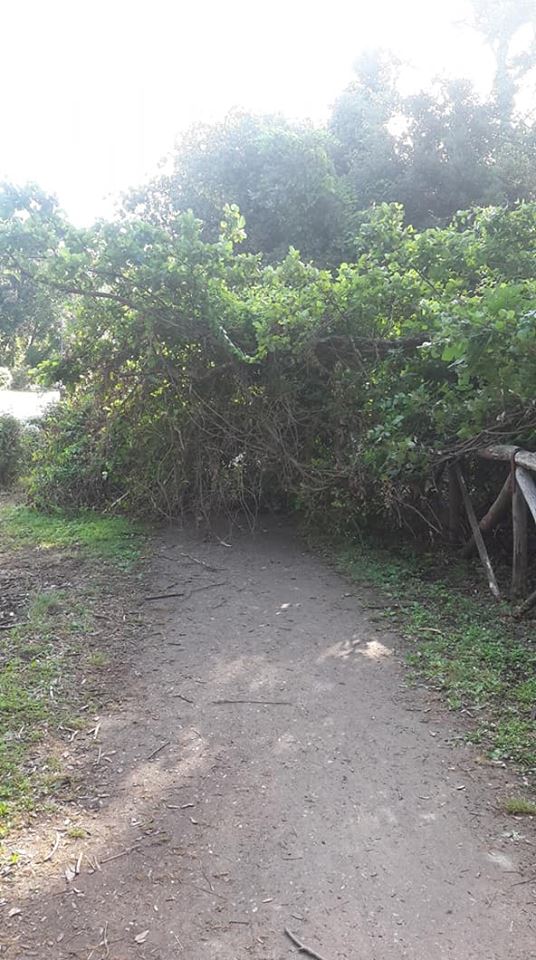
(200, 381)
(5, 378)
(20, 378)
(11, 449)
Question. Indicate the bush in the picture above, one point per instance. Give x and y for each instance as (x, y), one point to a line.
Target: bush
(227, 385)
(11, 449)
(5, 378)
(20, 378)
(70, 464)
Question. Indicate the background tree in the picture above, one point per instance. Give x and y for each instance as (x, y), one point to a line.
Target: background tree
(280, 175)
(30, 314)
(500, 22)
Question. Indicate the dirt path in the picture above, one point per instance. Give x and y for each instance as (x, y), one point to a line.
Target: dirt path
(270, 768)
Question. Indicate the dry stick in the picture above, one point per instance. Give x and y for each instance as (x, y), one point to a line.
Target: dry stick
(117, 856)
(203, 563)
(479, 540)
(164, 596)
(286, 703)
(205, 586)
(158, 749)
(493, 515)
(301, 946)
(54, 848)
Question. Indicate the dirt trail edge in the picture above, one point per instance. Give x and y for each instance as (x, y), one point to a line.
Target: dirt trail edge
(270, 769)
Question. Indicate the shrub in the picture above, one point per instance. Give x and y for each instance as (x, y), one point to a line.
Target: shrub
(5, 378)
(11, 449)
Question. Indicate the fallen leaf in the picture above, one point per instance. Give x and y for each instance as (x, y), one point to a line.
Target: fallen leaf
(14, 912)
(70, 874)
(142, 937)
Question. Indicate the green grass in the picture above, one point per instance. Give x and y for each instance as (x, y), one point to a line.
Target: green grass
(462, 642)
(34, 681)
(109, 538)
(43, 657)
(77, 833)
(519, 807)
(98, 659)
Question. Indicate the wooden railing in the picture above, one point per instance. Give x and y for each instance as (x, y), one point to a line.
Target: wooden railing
(519, 490)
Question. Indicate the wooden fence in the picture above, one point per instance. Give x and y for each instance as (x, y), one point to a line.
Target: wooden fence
(519, 492)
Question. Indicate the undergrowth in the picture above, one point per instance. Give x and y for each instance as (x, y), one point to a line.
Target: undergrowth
(461, 642)
(44, 656)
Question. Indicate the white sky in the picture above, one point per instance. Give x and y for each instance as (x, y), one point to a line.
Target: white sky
(94, 93)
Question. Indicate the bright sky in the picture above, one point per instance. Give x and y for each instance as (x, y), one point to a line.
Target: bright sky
(94, 93)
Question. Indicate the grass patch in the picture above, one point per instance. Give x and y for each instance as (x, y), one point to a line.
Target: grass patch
(43, 657)
(98, 660)
(464, 644)
(34, 679)
(519, 807)
(77, 833)
(108, 538)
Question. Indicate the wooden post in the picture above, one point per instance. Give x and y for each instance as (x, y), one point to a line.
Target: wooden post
(519, 556)
(479, 539)
(526, 481)
(455, 506)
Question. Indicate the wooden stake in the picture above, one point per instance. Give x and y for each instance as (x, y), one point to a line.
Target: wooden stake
(479, 540)
(519, 555)
(528, 487)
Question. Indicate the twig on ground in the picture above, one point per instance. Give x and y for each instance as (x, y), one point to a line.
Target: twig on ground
(285, 703)
(203, 563)
(301, 946)
(158, 749)
(116, 856)
(54, 848)
(521, 883)
(187, 595)
(163, 596)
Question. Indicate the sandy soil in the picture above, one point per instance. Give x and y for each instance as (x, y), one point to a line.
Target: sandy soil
(266, 767)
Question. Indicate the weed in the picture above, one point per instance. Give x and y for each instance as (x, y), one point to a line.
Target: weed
(518, 806)
(98, 659)
(76, 833)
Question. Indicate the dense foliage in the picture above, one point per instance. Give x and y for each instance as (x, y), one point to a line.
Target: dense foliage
(200, 379)
(11, 450)
(268, 323)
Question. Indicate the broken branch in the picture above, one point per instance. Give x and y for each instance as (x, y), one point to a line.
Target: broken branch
(302, 947)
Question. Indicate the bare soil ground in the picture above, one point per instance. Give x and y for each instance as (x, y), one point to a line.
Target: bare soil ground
(266, 766)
